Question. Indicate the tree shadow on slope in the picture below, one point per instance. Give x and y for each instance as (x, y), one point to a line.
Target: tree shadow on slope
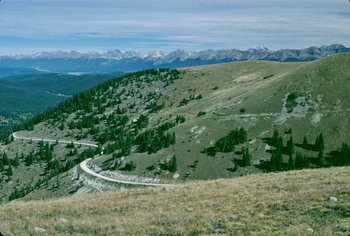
(307, 147)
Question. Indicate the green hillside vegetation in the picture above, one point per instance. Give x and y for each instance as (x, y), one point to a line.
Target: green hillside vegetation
(306, 202)
(23, 96)
(255, 117)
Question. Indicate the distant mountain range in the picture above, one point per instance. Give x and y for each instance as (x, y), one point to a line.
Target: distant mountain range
(129, 61)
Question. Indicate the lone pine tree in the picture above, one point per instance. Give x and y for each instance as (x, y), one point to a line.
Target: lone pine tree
(173, 164)
(246, 160)
(290, 146)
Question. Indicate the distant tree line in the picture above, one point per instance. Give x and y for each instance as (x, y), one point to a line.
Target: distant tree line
(297, 160)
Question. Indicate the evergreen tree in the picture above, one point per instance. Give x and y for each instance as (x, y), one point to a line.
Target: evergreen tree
(242, 135)
(321, 140)
(41, 150)
(246, 160)
(70, 145)
(168, 140)
(1, 165)
(180, 119)
(173, 164)
(14, 195)
(321, 159)
(61, 126)
(290, 146)
(291, 162)
(130, 166)
(9, 171)
(16, 161)
(305, 143)
(29, 159)
(273, 162)
(69, 165)
(173, 140)
(5, 159)
(116, 164)
(275, 137)
(279, 145)
(343, 158)
(299, 161)
(319, 143)
(306, 162)
(48, 153)
(75, 151)
(142, 121)
(279, 159)
(276, 160)
(234, 167)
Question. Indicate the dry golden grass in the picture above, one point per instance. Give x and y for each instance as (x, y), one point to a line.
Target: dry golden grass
(289, 203)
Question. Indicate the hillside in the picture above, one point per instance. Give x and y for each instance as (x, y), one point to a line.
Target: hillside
(8, 71)
(307, 202)
(22, 96)
(169, 126)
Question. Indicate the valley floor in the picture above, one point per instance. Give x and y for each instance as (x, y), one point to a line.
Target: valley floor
(305, 202)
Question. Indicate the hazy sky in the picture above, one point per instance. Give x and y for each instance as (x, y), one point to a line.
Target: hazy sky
(33, 25)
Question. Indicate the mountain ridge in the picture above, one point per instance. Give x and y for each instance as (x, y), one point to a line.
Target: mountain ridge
(209, 54)
(129, 61)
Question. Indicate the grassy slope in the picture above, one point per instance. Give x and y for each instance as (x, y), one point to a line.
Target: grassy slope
(286, 203)
(235, 81)
(240, 85)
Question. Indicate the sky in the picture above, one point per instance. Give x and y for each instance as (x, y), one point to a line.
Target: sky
(29, 26)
